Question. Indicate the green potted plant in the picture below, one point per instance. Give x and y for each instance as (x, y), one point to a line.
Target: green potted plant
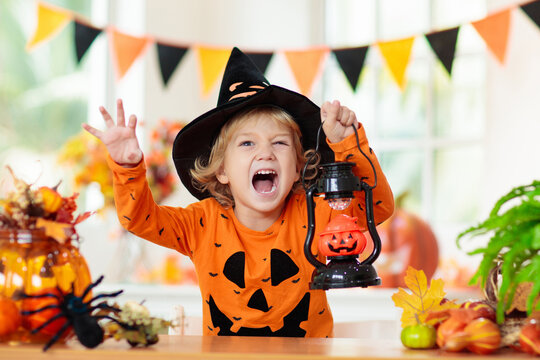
(510, 267)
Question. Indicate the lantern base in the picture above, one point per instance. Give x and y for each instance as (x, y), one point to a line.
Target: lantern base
(344, 272)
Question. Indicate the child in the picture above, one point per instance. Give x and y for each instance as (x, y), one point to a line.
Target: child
(243, 160)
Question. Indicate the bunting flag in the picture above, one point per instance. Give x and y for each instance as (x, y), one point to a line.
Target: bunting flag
(351, 61)
(212, 63)
(494, 30)
(50, 20)
(397, 54)
(306, 65)
(84, 37)
(533, 11)
(169, 57)
(125, 49)
(443, 44)
(261, 59)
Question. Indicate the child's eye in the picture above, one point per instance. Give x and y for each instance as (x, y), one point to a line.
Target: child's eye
(281, 142)
(246, 143)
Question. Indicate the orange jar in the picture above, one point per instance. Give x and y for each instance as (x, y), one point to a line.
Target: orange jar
(31, 262)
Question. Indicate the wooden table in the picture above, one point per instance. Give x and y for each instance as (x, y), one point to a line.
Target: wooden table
(210, 347)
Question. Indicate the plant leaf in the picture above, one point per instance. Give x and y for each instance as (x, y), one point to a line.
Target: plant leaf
(422, 300)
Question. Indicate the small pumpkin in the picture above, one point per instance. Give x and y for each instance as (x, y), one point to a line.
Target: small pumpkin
(33, 321)
(342, 236)
(51, 199)
(483, 335)
(10, 316)
(406, 240)
(529, 337)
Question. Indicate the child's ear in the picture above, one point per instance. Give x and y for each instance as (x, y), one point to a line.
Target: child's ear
(221, 176)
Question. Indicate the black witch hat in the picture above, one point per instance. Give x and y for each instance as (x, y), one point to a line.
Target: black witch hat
(243, 86)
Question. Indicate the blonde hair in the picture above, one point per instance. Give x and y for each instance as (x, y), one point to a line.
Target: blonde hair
(204, 173)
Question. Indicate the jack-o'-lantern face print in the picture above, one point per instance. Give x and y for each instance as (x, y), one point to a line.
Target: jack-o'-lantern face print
(341, 237)
(260, 297)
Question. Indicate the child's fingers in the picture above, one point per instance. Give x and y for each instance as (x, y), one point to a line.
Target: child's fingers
(330, 111)
(132, 122)
(97, 133)
(120, 117)
(107, 117)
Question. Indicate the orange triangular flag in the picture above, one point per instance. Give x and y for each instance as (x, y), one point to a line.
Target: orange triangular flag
(212, 63)
(494, 30)
(125, 49)
(306, 65)
(397, 54)
(50, 20)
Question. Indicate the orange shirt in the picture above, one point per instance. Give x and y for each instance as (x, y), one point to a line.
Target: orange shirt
(251, 282)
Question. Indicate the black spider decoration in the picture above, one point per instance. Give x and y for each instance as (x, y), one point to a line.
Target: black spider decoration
(77, 313)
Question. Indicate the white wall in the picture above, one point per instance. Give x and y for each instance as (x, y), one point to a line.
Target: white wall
(513, 109)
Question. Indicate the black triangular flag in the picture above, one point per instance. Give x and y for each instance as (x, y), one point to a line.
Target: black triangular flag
(532, 9)
(351, 61)
(84, 36)
(443, 44)
(260, 59)
(169, 58)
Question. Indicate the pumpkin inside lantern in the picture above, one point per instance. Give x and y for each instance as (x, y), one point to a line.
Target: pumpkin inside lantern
(342, 236)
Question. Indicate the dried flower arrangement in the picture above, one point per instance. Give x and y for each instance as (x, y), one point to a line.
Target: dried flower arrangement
(30, 208)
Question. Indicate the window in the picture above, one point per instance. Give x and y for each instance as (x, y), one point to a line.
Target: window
(43, 96)
(429, 136)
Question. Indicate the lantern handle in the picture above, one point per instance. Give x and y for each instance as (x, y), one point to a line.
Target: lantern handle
(370, 222)
(311, 227)
(314, 154)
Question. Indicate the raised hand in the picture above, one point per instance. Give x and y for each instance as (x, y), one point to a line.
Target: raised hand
(338, 121)
(120, 140)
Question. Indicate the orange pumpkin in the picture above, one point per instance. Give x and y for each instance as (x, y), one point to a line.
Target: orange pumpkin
(35, 320)
(10, 316)
(342, 236)
(406, 240)
(52, 200)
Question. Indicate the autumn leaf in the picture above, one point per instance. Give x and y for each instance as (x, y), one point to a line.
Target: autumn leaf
(422, 300)
(58, 231)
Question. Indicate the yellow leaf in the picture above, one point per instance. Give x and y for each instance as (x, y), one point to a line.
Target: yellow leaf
(421, 300)
(56, 230)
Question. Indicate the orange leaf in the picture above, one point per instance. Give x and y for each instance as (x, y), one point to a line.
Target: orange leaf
(58, 231)
(422, 300)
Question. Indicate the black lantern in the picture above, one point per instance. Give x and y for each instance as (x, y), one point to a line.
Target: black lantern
(338, 183)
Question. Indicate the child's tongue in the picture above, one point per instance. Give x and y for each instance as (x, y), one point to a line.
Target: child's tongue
(263, 185)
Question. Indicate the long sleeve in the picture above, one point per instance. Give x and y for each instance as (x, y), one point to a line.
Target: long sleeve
(383, 199)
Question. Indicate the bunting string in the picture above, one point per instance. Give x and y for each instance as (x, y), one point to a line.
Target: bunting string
(306, 64)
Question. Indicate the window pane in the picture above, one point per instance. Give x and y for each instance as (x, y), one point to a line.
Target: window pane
(403, 169)
(457, 183)
(402, 114)
(350, 22)
(399, 19)
(459, 102)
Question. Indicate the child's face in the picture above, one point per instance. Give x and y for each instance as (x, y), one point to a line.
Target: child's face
(260, 166)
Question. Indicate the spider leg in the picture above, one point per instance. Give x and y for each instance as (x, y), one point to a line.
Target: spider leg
(30, 312)
(100, 296)
(56, 336)
(57, 316)
(41, 296)
(104, 306)
(91, 286)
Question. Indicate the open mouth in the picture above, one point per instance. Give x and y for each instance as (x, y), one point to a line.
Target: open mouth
(265, 181)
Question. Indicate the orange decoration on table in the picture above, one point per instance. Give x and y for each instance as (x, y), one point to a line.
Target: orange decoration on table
(33, 321)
